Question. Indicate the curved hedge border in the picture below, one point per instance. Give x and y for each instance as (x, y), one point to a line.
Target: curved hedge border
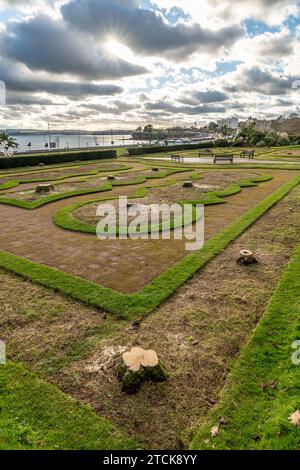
(105, 187)
(52, 198)
(131, 306)
(64, 218)
(60, 179)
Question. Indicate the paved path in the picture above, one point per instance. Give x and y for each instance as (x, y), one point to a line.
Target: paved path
(209, 160)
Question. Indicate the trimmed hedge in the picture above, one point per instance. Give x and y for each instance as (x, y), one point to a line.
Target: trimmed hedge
(55, 157)
(168, 148)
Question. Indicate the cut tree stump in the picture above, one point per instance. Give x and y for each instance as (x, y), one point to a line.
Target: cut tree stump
(188, 184)
(155, 169)
(44, 188)
(246, 257)
(111, 178)
(138, 366)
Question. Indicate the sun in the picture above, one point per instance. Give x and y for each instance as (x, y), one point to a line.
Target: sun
(116, 49)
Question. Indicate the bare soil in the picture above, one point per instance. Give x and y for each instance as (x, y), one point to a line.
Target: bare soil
(60, 172)
(208, 181)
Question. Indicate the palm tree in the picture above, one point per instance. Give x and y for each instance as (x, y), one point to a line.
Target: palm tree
(7, 142)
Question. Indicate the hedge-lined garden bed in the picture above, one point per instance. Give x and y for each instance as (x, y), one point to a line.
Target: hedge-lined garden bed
(55, 157)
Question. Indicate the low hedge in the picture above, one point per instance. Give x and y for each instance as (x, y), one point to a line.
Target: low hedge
(55, 157)
(168, 148)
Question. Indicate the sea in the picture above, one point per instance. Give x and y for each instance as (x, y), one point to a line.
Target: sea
(34, 142)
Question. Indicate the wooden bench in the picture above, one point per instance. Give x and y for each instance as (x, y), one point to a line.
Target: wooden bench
(223, 157)
(177, 158)
(247, 153)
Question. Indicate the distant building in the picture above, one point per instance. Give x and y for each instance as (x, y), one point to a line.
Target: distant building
(262, 125)
(290, 125)
(232, 123)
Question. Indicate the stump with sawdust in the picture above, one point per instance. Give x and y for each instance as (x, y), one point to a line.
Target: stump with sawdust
(44, 188)
(138, 366)
(111, 178)
(188, 184)
(246, 257)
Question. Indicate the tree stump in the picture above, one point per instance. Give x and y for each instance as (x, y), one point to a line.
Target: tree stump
(246, 257)
(111, 178)
(138, 366)
(155, 169)
(44, 188)
(188, 184)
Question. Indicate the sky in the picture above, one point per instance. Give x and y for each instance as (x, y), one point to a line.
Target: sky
(102, 64)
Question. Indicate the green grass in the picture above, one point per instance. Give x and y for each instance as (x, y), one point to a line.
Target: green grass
(133, 305)
(256, 413)
(36, 415)
(9, 185)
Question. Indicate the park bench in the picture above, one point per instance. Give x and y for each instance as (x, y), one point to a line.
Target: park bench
(247, 153)
(177, 158)
(223, 157)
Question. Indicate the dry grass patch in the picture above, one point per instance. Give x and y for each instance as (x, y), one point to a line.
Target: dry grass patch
(39, 324)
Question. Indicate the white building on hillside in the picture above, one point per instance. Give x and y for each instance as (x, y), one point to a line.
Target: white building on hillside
(232, 123)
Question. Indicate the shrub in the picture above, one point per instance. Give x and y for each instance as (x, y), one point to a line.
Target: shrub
(261, 143)
(55, 157)
(168, 148)
(239, 142)
(221, 143)
(257, 137)
(283, 141)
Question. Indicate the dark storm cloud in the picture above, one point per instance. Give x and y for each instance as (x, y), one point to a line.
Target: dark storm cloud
(145, 31)
(188, 110)
(44, 44)
(261, 81)
(18, 80)
(204, 97)
(25, 99)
